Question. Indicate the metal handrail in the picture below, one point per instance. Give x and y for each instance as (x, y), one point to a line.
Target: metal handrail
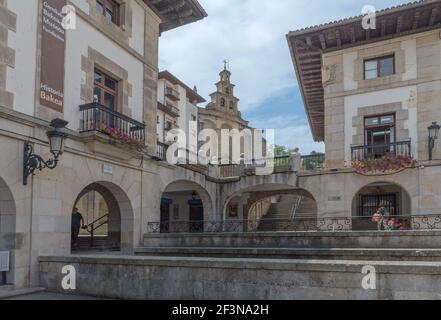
(91, 228)
(296, 207)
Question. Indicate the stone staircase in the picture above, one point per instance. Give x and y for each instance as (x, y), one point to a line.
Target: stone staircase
(99, 244)
(279, 216)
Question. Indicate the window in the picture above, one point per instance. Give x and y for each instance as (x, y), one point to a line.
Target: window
(105, 90)
(109, 9)
(380, 130)
(231, 105)
(222, 102)
(380, 67)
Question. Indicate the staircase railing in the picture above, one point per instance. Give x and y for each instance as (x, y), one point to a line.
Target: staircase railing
(95, 225)
(296, 207)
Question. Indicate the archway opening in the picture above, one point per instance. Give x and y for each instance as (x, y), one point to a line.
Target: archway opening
(391, 198)
(7, 234)
(285, 209)
(102, 219)
(185, 208)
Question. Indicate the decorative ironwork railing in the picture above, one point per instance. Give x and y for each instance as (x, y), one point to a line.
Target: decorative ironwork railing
(376, 151)
(334, 224)
(99, 118)
(161, 151)
(172, 93)
(170, 109)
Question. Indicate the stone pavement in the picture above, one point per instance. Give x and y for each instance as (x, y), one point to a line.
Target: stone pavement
(51, 296)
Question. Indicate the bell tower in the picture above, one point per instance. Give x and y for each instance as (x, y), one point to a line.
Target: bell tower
(223, 99)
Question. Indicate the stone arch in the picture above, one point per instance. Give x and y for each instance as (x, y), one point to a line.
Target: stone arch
(8, 227)
(121, 214)
(367, 200)
(263, 191)
(183, 192)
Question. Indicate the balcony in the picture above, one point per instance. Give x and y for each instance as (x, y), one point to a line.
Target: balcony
(169, 109)
(172, 94)
(98, 118)
(378, 151)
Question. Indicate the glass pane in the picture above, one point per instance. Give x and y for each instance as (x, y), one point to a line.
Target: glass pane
(387, 120)
(370, 65)
(386, 67)
(109, 101)
(109, 15)
(371, 122)
(109, 83)
(98, 77)
(370, 74)
(99, 7)
(97, 95)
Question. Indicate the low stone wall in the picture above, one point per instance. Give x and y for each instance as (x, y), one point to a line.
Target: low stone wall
(361, 239)
(238, 279)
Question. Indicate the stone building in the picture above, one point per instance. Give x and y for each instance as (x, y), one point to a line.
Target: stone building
(222, 113)
(94, 64)
(371, 94)
(177, 106)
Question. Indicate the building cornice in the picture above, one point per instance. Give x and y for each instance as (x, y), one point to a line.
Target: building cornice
(176, 13)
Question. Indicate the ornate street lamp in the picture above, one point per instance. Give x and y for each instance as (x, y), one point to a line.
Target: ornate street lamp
(433, 135)
(32, 162)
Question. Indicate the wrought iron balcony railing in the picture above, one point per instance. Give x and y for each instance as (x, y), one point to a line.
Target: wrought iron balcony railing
(331, 224)
(161, 151)
(98, 118)
(172, 94)
(377, 151)
(169, 109)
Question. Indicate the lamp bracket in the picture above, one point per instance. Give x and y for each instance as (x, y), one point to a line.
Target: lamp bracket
(33, 162)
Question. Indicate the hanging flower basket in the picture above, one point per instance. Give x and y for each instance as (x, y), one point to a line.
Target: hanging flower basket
(389, 164)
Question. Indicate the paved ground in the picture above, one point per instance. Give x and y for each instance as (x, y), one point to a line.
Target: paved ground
(51, 296)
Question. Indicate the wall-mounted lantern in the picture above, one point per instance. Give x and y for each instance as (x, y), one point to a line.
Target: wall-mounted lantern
(433, 135)
(32, 162)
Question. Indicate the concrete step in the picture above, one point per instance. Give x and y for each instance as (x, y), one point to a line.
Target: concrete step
(300, 239)
(387, 254)
(10, 291)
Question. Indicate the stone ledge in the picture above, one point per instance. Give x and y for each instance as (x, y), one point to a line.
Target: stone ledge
(299, 234)
(395, 267)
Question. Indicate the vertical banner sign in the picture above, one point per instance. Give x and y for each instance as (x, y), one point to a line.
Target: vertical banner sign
(53, 38)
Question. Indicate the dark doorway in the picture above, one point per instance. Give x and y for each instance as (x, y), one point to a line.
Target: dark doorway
(196, 216)
(370, 204)
(165, 215)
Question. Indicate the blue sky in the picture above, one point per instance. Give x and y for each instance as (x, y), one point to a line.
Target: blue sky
(251, 35)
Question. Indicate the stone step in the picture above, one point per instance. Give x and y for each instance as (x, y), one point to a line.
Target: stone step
(297, 253)
(300, 239)
(10, 291)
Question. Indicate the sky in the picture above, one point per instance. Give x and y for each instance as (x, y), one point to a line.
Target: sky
(251, 35)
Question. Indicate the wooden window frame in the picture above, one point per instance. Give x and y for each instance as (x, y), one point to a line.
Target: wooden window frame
(380, 126)
(104, 89)
(378, 60)
(111, 4)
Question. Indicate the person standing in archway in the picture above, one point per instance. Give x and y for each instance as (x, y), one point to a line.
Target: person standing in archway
(77, 224)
